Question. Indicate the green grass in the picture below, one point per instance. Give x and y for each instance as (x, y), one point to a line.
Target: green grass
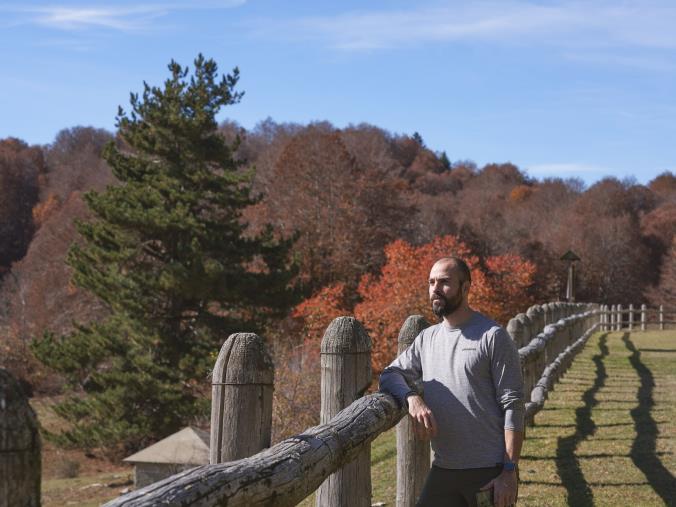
(605, 438)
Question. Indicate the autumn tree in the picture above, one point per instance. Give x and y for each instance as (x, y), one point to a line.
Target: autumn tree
(664, 293)
(168, 255)
(21, 170)
(499, 288)
(344, 213)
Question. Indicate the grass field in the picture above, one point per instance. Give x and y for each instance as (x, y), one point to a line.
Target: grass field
(606, 436)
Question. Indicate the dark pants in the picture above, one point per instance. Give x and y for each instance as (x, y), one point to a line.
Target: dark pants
(455, 488)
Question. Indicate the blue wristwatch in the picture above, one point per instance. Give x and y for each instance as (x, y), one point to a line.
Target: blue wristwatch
(509, 466)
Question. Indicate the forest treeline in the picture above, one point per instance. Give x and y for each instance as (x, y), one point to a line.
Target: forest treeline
(367, 210)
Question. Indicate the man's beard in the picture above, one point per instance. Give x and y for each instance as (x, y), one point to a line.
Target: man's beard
(447, 306)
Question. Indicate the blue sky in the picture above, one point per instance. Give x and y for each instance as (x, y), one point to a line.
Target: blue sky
(559, 88)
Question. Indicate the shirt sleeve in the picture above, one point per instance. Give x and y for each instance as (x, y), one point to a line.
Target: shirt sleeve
(507, 379)
(403, 374)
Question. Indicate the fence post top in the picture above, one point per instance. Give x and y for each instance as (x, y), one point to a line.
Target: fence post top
(535, 312)
(345, 335)
(412, 327)
(243, 359)
(523, 319)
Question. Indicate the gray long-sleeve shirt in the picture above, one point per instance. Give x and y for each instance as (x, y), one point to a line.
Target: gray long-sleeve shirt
(471, 379)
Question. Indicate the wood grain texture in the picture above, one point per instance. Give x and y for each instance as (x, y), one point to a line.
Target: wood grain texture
(413, 453)
(241, 399)
(20, 460)
(281, 475)
(346, 374)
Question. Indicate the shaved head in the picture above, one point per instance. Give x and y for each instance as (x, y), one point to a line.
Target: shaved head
(457, 263)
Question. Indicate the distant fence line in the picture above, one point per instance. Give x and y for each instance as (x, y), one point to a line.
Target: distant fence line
(335, 456)
(616, 317)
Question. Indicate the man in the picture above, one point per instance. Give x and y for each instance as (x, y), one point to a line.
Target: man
(472, 401)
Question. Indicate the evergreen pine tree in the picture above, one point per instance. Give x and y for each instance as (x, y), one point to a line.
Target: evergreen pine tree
(443, 158)
(169, 254)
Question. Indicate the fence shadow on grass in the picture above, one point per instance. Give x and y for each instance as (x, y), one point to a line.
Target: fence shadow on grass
(643, 449)
(567, 464)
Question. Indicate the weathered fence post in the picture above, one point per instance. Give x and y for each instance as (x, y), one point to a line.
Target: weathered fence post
(346, 375)
(519, 329)
(619, 319)
(631, 317)
(613, 315)
(20, 459)
(536, 315)
(661, 317)
(643, 322)
(547, 316)
(413, 453)
(241, 399)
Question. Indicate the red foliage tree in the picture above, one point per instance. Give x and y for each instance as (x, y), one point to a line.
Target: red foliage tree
(401, 289)
(318, 311)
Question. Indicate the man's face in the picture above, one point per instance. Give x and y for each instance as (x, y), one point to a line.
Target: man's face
(445, 289)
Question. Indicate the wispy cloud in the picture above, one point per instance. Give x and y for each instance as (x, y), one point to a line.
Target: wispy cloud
(647, 24)
(115, 16)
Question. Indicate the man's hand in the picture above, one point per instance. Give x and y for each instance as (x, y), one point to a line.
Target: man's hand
(424, 423)
(504, 489)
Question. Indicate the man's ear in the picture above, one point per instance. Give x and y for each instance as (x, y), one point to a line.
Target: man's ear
(465, 287)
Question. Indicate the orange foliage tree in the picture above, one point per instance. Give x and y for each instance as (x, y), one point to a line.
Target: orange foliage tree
(499, 289)
(318, 311)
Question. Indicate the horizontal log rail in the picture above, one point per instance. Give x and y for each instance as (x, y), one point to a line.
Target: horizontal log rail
(553, 373)
(279, 476)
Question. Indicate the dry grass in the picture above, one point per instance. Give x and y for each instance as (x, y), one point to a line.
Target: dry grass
(93, 480)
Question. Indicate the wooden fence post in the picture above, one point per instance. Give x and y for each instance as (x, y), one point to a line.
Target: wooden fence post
(536, 315)
(413, 453)
(547, 316)
(20, 458)
(346, 375)
(519, 329)
(241, 399)
(631, 317)
(661, 317)
(643, 322)
(619, 320)
(613, 314)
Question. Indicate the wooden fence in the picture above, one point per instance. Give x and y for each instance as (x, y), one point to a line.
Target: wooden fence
(616, 318)
(335, 455)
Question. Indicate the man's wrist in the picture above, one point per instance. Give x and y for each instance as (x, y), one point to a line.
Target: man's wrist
(509, 466)
(408, 395)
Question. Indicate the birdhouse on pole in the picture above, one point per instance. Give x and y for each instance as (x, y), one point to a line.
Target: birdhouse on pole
(571, 258)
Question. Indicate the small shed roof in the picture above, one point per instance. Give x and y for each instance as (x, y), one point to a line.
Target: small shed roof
(188, 446)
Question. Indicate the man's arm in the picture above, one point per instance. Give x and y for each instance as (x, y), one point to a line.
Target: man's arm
(399, 379)
(506, 372)
(505, 485)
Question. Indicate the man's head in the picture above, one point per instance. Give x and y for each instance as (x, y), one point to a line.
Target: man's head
(449, 284)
